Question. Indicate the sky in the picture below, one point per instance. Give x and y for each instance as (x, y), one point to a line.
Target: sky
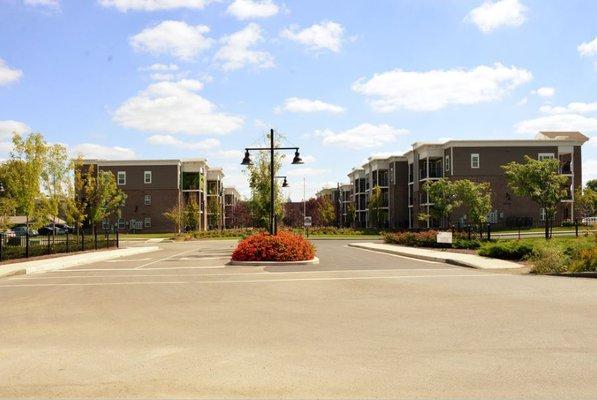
(343, 80)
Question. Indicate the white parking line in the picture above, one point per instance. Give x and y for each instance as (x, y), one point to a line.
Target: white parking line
(395, 255)
(203, 258)
(167, 258)
(123, 260)
(114, 276)
(259, 280)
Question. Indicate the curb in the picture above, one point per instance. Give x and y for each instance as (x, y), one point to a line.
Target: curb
(68, 261)
(450, 261)
(314, 261)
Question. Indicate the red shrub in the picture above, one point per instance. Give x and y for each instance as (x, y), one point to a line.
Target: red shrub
(285, 246)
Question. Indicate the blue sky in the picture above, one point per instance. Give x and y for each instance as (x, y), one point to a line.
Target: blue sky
(342, 79)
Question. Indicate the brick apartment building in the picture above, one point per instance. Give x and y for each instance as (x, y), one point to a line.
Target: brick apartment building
(154, 186)
(401, 177)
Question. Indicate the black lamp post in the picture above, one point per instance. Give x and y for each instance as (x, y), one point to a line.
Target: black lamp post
(272, 149)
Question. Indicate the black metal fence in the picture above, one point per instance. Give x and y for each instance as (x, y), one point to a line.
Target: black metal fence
(40, 245)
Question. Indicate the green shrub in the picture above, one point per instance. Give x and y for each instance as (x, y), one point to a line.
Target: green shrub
(472, 244)
(548, 259)
(414, 239)
(585, 260)
(507, 249)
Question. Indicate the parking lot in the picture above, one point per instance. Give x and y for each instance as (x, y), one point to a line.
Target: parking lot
(180, 322)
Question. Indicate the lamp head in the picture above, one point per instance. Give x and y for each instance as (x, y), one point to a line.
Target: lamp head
(247, 159)
(297, 158)
(285, 183)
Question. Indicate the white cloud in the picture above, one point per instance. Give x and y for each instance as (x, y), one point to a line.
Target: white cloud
(93, 150)
(246, 9)
(7, 128)
(230, 154)
(436, 89)
(160, 68)
(494, 14)
(7, 74)
(154, 5)
(46, 3)
(522, 101)
(589, 170)
(325, 35)
(306, 171)
(545, 91)
(572, 108)
(558, 122)
(362, 136)
(175, 107)
(299, 105)
(236, 51)
(171, 141)
(175, 38)
(587, 49)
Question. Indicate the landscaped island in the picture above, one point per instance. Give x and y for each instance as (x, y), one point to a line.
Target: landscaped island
(285, 246)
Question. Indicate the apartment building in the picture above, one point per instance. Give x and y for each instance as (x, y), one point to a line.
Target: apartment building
(154, 186)
(231, 199)
(403, 176)
(215, 198)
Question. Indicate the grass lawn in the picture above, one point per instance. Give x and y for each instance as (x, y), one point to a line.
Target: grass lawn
(555, 229)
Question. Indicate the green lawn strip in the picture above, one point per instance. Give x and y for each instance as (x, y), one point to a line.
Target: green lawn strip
(581, 228)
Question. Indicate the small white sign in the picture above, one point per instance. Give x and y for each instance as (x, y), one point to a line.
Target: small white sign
(444, 237)
(308, 221)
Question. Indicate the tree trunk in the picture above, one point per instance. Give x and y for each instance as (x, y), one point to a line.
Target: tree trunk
(546, 228)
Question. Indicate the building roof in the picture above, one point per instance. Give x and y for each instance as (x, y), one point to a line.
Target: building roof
(555, 135)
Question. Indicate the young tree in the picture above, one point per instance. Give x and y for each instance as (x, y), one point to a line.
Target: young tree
(444, 196)
(476, 197)
(214, 212)
(585, 202)
(376, 214)
(351, 212)
(104, 198)
(539, 181)
(259, 181)
(175, 214)
(326, 211)
(76, 207)
(592, 184)
(192, 214)
(55, 179)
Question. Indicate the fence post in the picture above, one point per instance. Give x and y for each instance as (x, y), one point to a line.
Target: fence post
(576, 226)
(82, 240)
(27, 242)
(1, 240)
(107, 239)
(49, 244)
(67, 240)
(117, 239)
(468, 228)
(95, 239)
(489, 231)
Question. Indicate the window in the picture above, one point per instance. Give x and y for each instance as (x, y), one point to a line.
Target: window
(147, 199)
(545, 156)
(106, 224)
(121, 223)
(147, 222)
(147, 177)
(121, 178)
(475, 160)
(447, 163)
(542, 214)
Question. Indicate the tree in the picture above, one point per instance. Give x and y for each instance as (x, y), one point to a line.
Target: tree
(351, 212)
(540, 181)
(476, 197)
(103, 197)
(55, 178)
(175, 214)
(585, 202)
(376, 214)
(259, 181)
(293, 214)
(326, 211)
(214, 211)
(76, 206)
(22, 175)
(192, 214)
(241, 215)
(592, 184)
(444, 196)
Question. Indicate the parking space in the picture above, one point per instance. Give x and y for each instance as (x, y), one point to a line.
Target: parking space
(180, 322)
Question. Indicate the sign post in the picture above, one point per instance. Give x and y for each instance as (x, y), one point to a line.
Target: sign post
(307, 223)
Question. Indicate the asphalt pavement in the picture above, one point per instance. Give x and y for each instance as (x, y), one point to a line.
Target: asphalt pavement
(180, 322)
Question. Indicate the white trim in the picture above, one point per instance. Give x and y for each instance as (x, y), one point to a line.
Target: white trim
(118, 175)
(478, 157)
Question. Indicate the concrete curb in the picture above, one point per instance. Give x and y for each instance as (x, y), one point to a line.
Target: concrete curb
(452, 261)
(274, 263)
(52, 264)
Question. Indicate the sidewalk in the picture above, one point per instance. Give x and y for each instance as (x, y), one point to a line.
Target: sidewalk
(463, 260)
(73, 260)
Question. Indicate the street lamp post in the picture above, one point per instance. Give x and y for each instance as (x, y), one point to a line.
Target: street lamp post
(272, 149)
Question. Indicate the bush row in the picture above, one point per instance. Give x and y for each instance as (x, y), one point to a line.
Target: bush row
(429, 239)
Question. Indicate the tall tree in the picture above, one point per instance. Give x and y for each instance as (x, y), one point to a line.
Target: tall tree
(192, 213)
(444, 196)
(55, 178)
(104, 198)
(377, 215)
(592, 184)
(540, 181)
(351, 212)
(326, 211)
(585, 202)
(175, 214)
